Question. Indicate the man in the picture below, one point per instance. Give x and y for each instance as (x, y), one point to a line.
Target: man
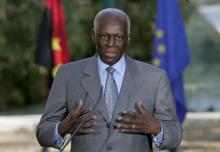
(134, 102)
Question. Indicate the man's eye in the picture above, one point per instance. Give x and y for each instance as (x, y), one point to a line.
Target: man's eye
(103, 36)
(119, 37)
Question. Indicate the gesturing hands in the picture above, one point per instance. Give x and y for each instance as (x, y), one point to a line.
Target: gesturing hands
(69, 124)
(138, 122)
(128, 122)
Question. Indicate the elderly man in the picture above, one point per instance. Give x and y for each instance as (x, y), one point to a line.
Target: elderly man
(133, 108)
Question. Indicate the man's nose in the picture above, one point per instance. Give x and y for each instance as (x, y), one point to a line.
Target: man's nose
(111, 40)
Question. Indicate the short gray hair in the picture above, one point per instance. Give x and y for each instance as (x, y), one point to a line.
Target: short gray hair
(110, 10)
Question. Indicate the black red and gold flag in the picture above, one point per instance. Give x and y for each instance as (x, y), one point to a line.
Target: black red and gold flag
(52, 48)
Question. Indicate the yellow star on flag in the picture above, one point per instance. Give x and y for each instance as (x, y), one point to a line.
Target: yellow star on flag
(56, 44)
(156, 61)
(161, 48)
(160, 33)
(55, 69)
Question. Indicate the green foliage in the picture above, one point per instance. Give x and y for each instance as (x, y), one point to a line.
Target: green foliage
(20, 78)
(79, 21)
(142, 16)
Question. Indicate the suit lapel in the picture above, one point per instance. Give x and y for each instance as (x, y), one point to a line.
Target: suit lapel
(92, 86)
(130, 87)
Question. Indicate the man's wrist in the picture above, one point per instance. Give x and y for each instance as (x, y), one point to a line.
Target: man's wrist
(61, 129)
(159, 138)
(157, 128)
(58, 140)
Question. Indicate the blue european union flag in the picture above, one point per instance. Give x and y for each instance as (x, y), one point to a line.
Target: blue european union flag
(171, 50)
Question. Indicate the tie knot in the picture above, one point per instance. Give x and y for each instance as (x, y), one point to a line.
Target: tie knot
(110, 70)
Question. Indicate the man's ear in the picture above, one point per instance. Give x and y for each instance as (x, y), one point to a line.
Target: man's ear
(129, 38)
(93, 35)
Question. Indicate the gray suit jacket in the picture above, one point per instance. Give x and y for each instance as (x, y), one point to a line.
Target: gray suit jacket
(141, 81)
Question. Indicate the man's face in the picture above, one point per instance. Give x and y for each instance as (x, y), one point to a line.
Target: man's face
(111, 38)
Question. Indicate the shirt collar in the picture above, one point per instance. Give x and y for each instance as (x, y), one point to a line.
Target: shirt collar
(118, 66)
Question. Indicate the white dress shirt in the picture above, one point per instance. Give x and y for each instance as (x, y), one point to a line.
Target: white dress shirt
(118, 75)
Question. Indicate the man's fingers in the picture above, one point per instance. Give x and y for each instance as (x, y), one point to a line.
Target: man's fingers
(79, 106)
(78, 110)
(76, 115)
(74, 106)
(129, 114)
(129, 128)
(85, 131)
(125, 120)
(136, 122)
(142, 108)
(88, 125)
(83, 112)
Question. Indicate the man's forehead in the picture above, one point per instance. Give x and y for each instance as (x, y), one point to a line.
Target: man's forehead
(116, 16)
(111, 19)
(106, 16)
(111, 24)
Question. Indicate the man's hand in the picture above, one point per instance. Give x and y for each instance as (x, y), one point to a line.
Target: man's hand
(142, 122)
(69, 124)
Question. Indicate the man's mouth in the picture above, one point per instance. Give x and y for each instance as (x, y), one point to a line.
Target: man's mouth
(110, 54)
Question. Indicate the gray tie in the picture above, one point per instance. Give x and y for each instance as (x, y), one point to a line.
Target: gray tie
(111, 92)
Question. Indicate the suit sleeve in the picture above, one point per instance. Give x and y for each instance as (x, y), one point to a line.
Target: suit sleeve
(165, 111)
(55, 110)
